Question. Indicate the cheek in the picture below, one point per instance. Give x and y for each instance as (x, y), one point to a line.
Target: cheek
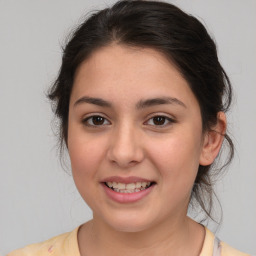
(84, 149)
(85, 154)
(177, 159)
(85, 161)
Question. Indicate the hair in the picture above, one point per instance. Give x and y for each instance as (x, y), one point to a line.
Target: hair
(181, 38)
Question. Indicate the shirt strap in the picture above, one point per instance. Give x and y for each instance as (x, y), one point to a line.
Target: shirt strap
(216, 247)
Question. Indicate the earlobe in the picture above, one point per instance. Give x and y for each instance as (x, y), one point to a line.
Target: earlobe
(213, 140)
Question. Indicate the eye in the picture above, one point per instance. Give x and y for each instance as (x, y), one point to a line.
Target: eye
(95, 121)
(160, 121)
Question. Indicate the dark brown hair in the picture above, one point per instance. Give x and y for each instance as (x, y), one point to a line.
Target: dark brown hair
(181, 38)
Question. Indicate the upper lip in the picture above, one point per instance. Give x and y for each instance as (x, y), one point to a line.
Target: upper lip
(125, 180)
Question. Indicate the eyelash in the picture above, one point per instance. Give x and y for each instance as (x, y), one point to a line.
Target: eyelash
(85, 121)
(90, 118)
(167, 120)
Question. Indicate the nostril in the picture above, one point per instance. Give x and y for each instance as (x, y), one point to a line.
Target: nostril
(123, 163)
(125, 152)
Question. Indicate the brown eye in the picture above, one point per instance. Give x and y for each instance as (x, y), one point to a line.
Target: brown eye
(159, 120)
(95, 121)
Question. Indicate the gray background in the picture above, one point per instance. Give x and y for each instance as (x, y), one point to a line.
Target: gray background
(37, 198)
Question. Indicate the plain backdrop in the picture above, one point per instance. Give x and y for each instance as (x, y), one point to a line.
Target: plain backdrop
(38, 199)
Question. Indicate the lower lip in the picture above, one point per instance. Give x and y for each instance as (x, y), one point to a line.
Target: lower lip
(127, 197)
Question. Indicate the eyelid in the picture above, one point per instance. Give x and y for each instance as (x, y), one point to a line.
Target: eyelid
(88, 117)
(170, 120)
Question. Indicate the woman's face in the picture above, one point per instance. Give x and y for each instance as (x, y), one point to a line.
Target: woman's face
(133, 123)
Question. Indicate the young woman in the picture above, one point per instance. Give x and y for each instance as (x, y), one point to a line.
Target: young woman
(141, 98)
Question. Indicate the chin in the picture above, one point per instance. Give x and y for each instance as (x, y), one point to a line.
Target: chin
(128, 227)
(129, 222)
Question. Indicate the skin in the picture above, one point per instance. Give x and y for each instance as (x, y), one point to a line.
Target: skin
(129, 142)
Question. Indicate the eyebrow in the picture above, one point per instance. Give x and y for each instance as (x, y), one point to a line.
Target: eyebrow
(140, 105)
(94, 101)
(158, 101)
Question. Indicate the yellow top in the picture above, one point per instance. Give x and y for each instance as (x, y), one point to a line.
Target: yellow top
(67, 245)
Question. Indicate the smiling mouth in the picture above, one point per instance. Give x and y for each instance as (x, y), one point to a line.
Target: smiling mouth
(130, 187)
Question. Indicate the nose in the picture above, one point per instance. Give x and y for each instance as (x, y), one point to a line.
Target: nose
(125, 148)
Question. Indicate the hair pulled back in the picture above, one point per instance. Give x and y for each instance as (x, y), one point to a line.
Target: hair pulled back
(180, 37)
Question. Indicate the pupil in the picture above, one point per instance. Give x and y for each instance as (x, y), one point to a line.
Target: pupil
(98, 120)
(159, 120)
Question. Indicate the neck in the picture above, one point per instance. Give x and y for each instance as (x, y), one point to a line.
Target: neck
(181, 236)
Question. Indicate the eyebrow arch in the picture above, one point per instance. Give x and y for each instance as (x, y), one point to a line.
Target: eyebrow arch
(140, 105)
(95, 101)
(159, 101)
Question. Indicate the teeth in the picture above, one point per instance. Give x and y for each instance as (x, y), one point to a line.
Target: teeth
(121, 185)
(128, 188)
(110, 184)
(128, 191)
(138, 185)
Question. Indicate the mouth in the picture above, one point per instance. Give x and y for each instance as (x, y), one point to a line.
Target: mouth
(128, 188)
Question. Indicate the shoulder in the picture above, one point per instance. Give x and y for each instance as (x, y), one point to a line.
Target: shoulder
(63, 245)
(227, 250)
(212, 246)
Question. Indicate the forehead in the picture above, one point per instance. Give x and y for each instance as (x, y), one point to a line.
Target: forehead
(119, 71)
(132, 61)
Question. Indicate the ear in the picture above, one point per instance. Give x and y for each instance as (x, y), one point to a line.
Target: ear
(213, 140)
